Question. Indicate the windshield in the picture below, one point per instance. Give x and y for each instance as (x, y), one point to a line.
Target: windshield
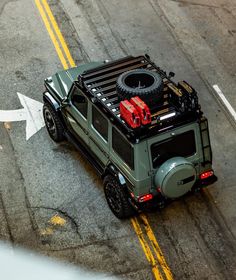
(180, 145)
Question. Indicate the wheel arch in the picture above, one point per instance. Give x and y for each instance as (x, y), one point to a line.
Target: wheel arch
(111, 169)
(47, 97)
(113, 177)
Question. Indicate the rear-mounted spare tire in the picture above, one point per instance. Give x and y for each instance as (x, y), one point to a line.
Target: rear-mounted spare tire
(175, 177)
(146, 84)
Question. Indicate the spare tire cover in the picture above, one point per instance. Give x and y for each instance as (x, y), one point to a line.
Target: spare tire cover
(175, 177)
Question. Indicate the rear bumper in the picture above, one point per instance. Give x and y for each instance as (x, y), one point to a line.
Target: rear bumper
(160, 201)
(205, 182)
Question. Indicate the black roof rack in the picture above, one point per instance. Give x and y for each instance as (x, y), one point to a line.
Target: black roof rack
(174, 109)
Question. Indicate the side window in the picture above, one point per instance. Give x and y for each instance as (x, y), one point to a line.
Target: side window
(100, 123)
(80, 101)
(123, 148)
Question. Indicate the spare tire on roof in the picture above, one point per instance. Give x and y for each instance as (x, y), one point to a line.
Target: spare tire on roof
(146, 84)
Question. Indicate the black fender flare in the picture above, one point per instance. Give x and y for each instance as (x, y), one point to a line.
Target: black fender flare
(114, 171)
(47, 97)
(111, 169)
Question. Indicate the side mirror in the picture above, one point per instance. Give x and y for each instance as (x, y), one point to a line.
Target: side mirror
(171, 75)
(78, 99)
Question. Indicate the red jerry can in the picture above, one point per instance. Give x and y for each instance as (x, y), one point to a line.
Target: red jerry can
(129, 114)
(142, 108)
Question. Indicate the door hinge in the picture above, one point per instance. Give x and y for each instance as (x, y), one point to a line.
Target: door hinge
(151, 172)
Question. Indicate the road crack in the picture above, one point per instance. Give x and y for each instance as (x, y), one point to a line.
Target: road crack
(187, 3)
(63, 213)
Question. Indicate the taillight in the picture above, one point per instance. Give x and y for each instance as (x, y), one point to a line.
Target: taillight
(145, 197)
(206, 174)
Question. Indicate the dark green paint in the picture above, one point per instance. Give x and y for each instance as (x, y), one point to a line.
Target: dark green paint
(143, 177)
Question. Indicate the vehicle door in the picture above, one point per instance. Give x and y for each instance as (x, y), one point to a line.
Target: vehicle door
(77, 113)
(98, 136)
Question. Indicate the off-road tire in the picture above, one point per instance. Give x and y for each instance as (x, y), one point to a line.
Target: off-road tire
(117, 198)
(54, 126)
(146, 84)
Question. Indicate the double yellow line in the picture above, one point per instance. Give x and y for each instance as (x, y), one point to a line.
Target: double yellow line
(57, 37)
(151, 248)
(140, 224)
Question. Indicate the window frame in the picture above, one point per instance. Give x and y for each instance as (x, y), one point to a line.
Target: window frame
(86, 101)
(105, 139)
(169, 139)
(129, 164)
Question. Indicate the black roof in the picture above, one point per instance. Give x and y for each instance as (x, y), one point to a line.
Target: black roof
(178, 106)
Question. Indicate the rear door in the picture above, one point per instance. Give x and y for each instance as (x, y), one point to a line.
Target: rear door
(98, 136)
(183, 142)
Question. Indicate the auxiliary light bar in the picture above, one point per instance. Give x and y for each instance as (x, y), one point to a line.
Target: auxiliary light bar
(167, 116)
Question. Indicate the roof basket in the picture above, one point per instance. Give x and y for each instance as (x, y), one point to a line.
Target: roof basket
(100, 84)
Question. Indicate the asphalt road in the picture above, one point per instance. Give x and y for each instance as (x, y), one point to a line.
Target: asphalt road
(52, 201)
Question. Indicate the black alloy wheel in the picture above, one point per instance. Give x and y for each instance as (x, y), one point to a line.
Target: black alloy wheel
(117, 198)
(53, 123)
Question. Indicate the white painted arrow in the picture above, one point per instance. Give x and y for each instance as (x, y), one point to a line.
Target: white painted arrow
(32, 113)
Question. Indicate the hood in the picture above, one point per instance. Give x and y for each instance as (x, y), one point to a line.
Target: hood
(62, 81)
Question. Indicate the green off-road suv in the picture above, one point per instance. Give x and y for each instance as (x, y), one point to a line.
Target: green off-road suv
(145, 135)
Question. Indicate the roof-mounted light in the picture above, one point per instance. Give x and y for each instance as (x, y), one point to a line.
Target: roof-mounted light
(167, 116)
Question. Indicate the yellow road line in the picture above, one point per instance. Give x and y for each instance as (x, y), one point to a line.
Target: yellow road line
(146, 249)
(156, 248)
(51, 34)
(134, 221)
(58, 33)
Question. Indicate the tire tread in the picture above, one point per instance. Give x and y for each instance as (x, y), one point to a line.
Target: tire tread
(127, 209)
(60, 135)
